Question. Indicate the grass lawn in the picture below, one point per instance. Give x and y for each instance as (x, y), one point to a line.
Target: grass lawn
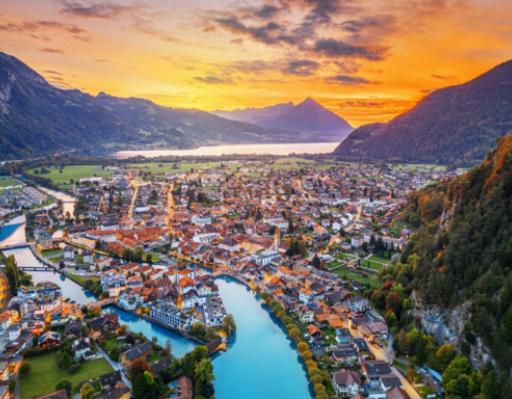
(75, 172)
(347, 256)
(45, 375)
(49, 253)
(79, 279)
(353, 276)
(160, 168)
(7, 181)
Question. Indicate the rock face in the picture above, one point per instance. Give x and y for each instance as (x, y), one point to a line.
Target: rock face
(37, 118)
(454, 125)
(306, 117)
(462, 273)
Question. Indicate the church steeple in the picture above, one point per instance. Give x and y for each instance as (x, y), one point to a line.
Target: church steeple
(277, 239)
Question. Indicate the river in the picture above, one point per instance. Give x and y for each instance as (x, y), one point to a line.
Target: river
(13, 232)
(68, 202)
(261, 362)
(237, 149)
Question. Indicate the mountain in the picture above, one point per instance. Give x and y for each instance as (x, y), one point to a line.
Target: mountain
(306, 117)
(461, 263)
(454, 125)
(37, 118)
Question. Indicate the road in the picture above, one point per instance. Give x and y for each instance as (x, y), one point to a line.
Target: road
(115, 366)
(387, 354)
(170, 207)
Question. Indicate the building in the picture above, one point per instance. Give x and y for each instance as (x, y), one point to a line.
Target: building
(137, 352)
(346, 383)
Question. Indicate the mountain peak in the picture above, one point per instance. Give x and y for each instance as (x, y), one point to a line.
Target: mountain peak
(308, 116)
(309, 101)
(453, 125)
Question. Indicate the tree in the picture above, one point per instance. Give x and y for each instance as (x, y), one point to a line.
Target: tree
(203, 378)
(144, 386)
(86, 392)
(229, 325)
(444, 355)
(11, 272)
(64, 384)
(25, 368)
(316, 262)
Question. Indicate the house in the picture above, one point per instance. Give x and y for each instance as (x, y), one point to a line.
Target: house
(305, 295)
(82, 349)
(120, 391)
(105, 323)
(397, 393)
(345, 354)
(73, 328)
(109, 381)
(69, 253)
(182, 388)
(136, 353)
(49, 338)
(346, 383)
(87, 257)
(60, 394)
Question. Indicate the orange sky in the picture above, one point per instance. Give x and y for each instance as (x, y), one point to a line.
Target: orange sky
(366, 60)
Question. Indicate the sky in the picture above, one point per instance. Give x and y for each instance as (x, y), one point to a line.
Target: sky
(366, 60)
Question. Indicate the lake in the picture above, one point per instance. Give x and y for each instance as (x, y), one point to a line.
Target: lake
(238, 149)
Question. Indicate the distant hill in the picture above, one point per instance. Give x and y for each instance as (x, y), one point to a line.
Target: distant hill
(37, 118)
(454, 125)
(306, 117)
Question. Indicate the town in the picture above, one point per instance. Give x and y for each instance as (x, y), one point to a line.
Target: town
(309, 237)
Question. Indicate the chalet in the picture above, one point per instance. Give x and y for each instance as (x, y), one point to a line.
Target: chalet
(49, 338)
(345, 354)
(110, 380)
(346, 383)
(137, 352)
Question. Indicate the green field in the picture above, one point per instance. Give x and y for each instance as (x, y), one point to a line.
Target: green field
(375, 262)
(6, 181)
(45, 375)
(353, 276)
(71, 172)
(160, 168)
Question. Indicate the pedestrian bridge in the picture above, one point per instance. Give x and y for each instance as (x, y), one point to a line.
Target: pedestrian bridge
(14, 246)
(36, 268)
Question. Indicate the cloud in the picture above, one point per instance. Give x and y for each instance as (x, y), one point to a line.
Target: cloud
(51, 50)
(268, 33)
(102, 9)
(350, 80)
(300, 67)
(212, 79)
(339, 48)
(382, 23)
(267, 11)
(36, 28)
(147, 27)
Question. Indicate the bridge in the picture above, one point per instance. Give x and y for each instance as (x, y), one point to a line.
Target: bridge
(18, 245)
(36, 268)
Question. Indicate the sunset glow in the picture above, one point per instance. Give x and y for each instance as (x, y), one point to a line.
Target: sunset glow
(365, 60)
